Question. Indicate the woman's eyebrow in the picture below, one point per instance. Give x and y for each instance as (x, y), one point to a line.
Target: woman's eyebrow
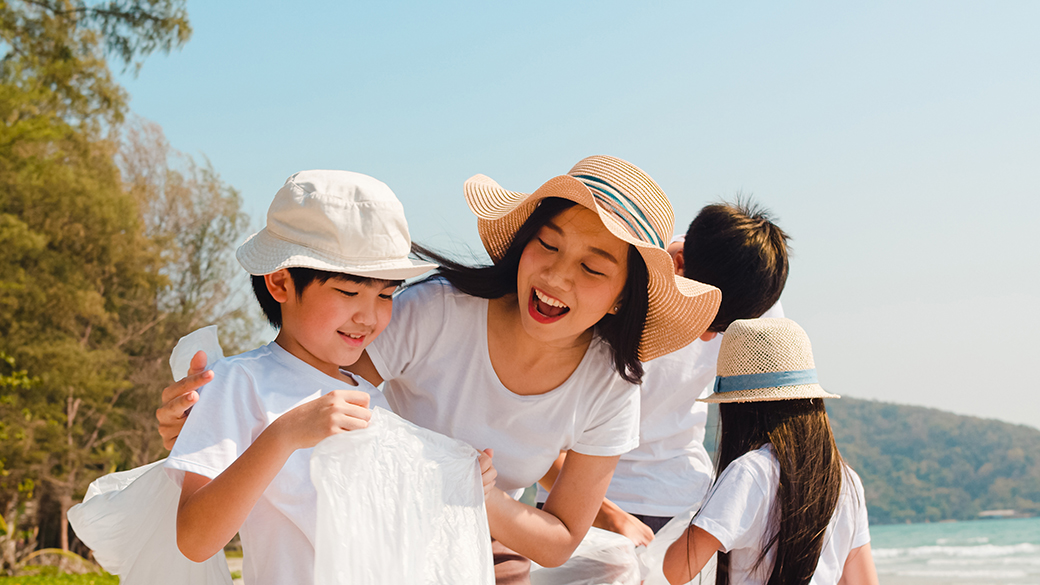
(606, 255)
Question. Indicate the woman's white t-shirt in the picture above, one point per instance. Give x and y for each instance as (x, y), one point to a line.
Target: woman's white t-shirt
(738, 509)
(434, 359)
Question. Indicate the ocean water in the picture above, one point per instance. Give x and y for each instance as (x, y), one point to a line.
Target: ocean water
(979, 552)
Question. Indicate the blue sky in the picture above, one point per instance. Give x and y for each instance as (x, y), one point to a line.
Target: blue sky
(897, 142)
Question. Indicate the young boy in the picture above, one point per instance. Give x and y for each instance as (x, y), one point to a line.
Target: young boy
(324, 268)
(737, 248)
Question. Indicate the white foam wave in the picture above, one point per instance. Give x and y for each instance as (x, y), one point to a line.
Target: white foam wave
(1015, 560)
(985, 550)
(964, 574)
(973, 540)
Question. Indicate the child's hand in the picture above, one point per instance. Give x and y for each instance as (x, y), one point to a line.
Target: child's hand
(336, 412)
(487, 470)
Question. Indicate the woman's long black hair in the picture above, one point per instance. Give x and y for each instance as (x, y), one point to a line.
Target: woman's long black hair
(811, 472)
(622, 331)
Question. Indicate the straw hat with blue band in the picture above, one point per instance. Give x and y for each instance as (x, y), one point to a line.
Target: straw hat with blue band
(632, 207)
(765, 359)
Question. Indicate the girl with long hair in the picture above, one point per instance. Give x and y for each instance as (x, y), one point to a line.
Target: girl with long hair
(784, 509)
(539, 352)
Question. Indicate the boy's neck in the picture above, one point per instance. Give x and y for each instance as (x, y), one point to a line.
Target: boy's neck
(289, 344)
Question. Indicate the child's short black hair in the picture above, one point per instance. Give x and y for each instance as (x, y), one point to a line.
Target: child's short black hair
(738, 248)
(302, 278)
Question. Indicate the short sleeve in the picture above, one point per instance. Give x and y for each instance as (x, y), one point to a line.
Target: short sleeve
(614, 430)
(862, 533)
(221, 425)
(418, 320)
(736, 511)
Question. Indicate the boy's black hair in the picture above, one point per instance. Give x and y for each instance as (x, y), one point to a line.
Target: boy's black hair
(302, 278)
(737, 247)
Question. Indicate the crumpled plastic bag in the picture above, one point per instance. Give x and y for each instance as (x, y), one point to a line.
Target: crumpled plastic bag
(204, 339)
(399, 505)
(652, 558)
(129, 520)
(602, 558)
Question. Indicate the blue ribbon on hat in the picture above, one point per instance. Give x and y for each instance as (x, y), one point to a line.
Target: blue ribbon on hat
(623, 207)
(766, 380)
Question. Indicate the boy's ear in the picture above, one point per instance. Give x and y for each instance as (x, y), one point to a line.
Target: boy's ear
(708, 335)
(677, 261)
(279, 284)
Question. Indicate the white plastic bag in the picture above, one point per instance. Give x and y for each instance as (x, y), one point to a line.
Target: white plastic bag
(652, 559)
(399, 505)
(204, 339)
(129, 520)
(602, 558)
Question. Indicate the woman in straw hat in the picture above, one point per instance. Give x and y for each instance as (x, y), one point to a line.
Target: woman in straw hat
(540, 352)
(784, 509)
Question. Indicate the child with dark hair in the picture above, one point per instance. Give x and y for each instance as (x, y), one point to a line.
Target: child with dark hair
(736, 247)
(785, 508)
(324, 270)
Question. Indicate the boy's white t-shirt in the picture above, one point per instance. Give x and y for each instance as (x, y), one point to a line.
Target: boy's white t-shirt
(248, 392)
(670, 470)
(738, 509)
(434, 359)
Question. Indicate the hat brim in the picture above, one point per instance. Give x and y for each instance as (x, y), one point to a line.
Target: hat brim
(773, 393)
(679, 309)
(264, 253)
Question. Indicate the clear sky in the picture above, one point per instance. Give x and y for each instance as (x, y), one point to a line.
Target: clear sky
(897, 142)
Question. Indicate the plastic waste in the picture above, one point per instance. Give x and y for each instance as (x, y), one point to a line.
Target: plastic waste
(204, 339)
(652, 559)
(129, 520)
(602, 558)
(399, 505)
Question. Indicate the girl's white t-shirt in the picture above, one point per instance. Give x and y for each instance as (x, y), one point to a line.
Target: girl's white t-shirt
(434, 359)
(737, 512)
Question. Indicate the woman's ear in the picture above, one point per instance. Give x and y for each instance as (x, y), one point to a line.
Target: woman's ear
(678, 262)
(279, 284)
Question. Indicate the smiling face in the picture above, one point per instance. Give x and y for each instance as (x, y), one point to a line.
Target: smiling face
(331, 322)
(571, 274)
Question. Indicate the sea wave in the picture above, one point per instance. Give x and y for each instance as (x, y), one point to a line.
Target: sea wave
(984, 550)
(972, 540)
(989, 574)
(976, 562)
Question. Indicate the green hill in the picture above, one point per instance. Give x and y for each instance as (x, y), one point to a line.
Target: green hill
(925, 465)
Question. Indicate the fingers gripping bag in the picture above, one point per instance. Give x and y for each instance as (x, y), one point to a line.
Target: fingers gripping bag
(399, 505)
(129, 518)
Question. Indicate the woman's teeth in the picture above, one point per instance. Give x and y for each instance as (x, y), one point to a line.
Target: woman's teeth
(549, 300)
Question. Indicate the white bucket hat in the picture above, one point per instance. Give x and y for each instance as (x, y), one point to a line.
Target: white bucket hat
(336, 221)
(765, 359)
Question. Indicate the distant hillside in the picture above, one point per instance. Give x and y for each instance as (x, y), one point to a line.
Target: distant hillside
(921, 464)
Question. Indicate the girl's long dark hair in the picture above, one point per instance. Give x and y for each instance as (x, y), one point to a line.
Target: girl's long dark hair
(811, 471)
(622, 331)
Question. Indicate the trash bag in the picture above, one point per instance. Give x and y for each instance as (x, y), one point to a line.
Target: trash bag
(129, 520)
(204, 339)
(602, 558)
(652, 558)
(399, 505)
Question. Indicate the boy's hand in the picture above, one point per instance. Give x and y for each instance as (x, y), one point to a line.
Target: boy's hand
(180, 396)
(487, 470)
(336, 412)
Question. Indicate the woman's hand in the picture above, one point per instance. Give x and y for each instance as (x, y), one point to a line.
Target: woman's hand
(614, 519)
(488, 473)
(179, 397)
(337, 412)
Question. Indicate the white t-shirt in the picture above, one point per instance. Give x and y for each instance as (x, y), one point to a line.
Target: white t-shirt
(248, 392)
(670, 470)
(434, 358)
(738, 509)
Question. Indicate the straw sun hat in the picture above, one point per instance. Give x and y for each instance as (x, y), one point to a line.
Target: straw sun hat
(765, 359)
(633, 208)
